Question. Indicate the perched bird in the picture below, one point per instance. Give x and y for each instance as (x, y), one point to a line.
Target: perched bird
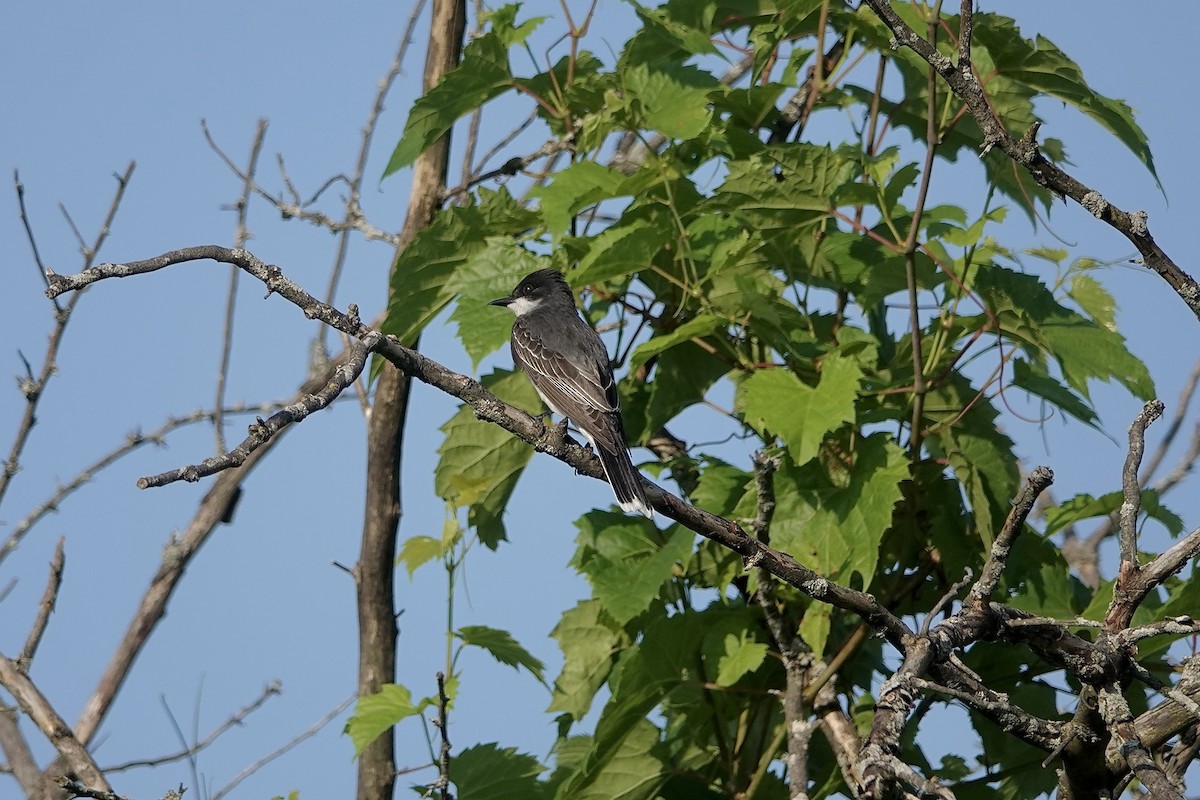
(568, 365)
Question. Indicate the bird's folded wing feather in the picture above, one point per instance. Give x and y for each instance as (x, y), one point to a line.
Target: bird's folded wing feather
(580, 391)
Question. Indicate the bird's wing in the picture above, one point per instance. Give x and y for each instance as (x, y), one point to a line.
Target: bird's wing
(584, 392)
(586, 383)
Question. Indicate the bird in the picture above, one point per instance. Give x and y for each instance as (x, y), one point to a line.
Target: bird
(569, 367)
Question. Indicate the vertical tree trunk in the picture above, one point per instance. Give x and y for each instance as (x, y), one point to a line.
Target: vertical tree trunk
(385, 437)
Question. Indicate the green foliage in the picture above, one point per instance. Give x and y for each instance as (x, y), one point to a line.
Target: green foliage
(375, 713)
(759, 288)
(503, 647)
(480, 463)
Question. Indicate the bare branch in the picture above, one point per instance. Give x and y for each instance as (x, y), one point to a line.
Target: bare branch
(272, 689)
(1035, 484)
(308, 733)
(1115, 711)
(34, 388)
(78, 760)
(518, 422)
(18, 755)
(1130, 486)
(962, 81)
(45, 608)
(443, 781)
(262, 431)
(132, 442)
(240, 238)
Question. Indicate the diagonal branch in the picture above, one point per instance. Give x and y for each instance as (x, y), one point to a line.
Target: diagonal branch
(529, 428)
(1024, 151)
(78, 760)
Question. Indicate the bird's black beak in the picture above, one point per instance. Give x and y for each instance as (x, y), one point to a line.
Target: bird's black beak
(501, 301)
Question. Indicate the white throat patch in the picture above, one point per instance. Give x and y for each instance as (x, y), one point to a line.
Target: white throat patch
(523, 305)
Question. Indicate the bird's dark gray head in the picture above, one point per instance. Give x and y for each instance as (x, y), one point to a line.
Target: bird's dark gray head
(535, 289)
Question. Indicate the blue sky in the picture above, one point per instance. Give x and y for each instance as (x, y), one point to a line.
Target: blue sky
(89, 87)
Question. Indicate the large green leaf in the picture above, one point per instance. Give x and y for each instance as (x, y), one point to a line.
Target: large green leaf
(835, 527)
(573, 189)
(424, 278)
(480, 462)
(627, 560)
(1041, 66)
(634, 772)
(491, 772)
(482, 75)
(1085, 349)
(589, 640)
(650, 670)
(673, 99)
(1033, 378)
(1084, 506)
(967, 437)
(776, 401)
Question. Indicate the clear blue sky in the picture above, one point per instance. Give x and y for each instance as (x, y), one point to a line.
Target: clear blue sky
(91, 86)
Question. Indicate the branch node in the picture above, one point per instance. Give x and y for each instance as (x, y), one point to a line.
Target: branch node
(1094, 204)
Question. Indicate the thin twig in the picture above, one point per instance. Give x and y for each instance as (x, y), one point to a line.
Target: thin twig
(1131, 489)
(264, 430)
(1035, 484)
(34, 388)
(443, 725)
(132, 442)
(272, 689)
(267, 759)
(240, 237)
(45, 608)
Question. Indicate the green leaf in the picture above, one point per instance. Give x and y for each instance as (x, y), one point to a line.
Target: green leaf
(503, 647)
(480, 462)
(1095, 300)
(1033, 378)
(627, 560)
(424, 279)
(815, 626)
(724, 489)
(634, 772)
(1041, 66)
(665, 657)
(742, 655)
(696, 328)
(775, 401)
(673, 98)
(1083, 348)
(836, 528)
(1084, 506)
(1038, 580)
(418, 550)
(491, 772)
(375, 713)
(589, 640)
(503, 22)
(482, 75)
(619, 251)
(573, 189)
(682, 376)
(966, 435)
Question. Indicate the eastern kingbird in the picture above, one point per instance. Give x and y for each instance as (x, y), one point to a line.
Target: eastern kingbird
(568, 365)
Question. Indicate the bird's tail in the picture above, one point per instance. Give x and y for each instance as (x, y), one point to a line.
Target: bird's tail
(625, 480)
